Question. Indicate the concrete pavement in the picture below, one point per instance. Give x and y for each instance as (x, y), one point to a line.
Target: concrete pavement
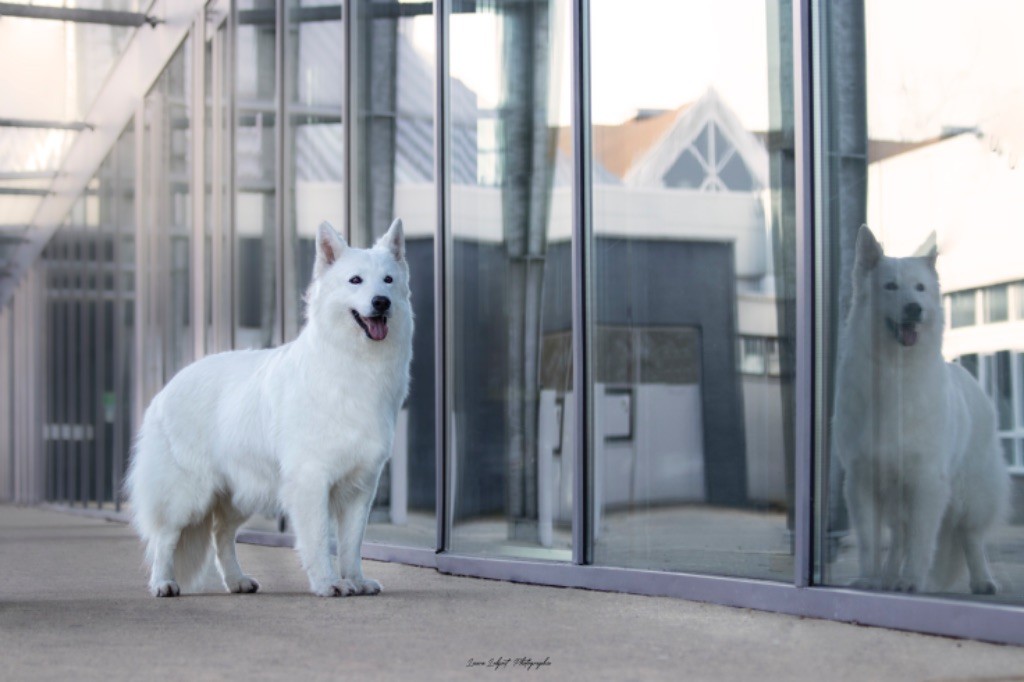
(73, 605)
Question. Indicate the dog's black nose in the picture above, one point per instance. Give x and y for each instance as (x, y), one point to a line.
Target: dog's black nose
(912, 311)
(381, 303)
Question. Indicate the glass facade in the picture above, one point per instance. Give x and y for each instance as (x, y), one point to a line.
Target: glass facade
(691, 252)
(655, 348)
(510, 280)
(392, 109)
(919, 477)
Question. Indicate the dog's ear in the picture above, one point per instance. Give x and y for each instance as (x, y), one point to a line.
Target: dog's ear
(869, 251)
(329, 245)
(932, 256)
(393, 240)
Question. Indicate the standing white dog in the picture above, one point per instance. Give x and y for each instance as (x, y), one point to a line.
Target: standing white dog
(916, 435)
(306, 427)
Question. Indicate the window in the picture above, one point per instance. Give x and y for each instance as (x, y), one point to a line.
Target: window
(962, 309)
(709, 411)
(996, 303)
(912, 177)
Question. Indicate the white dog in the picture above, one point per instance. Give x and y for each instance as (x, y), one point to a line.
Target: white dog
(916, 436)
(306, 427)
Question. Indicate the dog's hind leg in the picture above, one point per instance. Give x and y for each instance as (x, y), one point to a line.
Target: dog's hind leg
(896, 554)
(982, 581)
(161, 548)
(226, 521)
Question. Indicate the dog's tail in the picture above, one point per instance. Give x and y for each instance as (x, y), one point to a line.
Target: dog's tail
(950, 561)
(193, 556)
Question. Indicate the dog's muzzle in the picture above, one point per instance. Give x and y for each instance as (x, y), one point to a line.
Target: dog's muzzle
(375, 326)
(905, 332)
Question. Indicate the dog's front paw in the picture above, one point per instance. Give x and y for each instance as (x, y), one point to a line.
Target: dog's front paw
(867, 583)
(165, 588)
(905, 585)
(340, 588)
(367, 586)
(244, 585)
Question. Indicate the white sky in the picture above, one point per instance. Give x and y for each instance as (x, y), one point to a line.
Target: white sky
(930, 63)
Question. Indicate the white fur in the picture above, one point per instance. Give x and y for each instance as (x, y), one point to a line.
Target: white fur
(306, 427)
(915, 435)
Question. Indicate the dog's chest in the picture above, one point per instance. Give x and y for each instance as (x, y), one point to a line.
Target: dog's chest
(897, 417)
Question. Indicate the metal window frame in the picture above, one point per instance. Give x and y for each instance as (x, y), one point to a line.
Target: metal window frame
(442, 275)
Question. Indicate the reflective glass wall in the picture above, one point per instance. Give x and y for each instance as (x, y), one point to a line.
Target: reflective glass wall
(165, 244)
(921, 135)
(257, 317)
(89, 320)
(194, 237)
(511, 329)
(393, 176)
(692, 250)
(314, 142)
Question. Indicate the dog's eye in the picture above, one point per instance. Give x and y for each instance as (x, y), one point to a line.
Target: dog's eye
(919, 287)
(891, 286)
(356, 280)
(388, 280)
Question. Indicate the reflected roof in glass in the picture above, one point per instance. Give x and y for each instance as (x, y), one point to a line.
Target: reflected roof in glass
(62, 65)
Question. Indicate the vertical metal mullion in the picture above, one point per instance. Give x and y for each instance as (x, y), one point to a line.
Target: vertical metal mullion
(280, 174)
(141, 302)
(73, 446)
(11, 396)
(582, 527)
(442, 243)
(86, 446)
(65, 375)
(118, 325)
(102, 344)
(197, 274)
(803, 94)
(231, 69)
(291, 315)
(348, 29)
(216, 141)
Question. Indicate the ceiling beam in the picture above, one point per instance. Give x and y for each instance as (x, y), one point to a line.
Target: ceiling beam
(77, 15)
(44, 124)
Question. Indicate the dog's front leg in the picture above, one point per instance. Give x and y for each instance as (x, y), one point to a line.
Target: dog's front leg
(306, 500)
(861, 500)
(352, 510)
(926, 502)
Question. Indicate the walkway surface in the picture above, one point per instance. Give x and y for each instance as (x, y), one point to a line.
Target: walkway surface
(73, 605)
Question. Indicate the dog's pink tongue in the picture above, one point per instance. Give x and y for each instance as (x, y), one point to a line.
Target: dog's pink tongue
(378, 327)
(908, 335)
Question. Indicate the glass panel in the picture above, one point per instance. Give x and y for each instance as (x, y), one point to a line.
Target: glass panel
(922, 133)
(256, 322)
(752, 358)
(511, 329)
(315, 138)
(997, 306)
(1003, 390)
(169, 143)
(686, 172)
(394, 168)
(685, 275)
(962, 304)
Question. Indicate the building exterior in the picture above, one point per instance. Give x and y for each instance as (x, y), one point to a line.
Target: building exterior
(630, 234)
